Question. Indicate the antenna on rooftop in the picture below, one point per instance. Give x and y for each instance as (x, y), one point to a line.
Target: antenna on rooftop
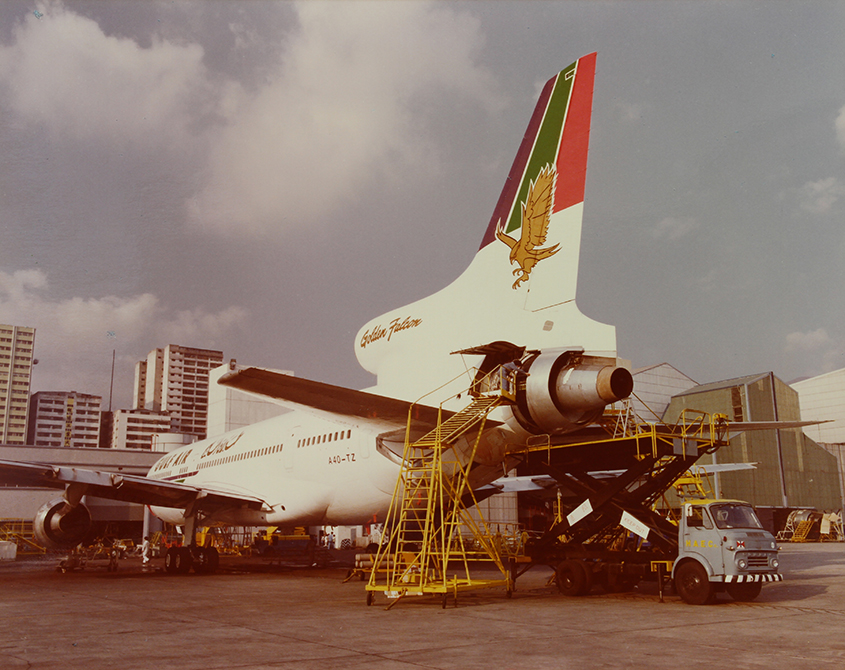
(111, 385)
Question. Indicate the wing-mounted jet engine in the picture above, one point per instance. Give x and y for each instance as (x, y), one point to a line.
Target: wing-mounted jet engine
(58, 524)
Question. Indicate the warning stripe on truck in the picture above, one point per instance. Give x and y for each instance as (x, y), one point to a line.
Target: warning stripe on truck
(776, 577)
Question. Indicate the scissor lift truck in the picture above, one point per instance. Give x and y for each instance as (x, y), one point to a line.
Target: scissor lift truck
(608, 532)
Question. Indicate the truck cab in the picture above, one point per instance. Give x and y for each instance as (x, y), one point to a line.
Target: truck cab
(723, 546)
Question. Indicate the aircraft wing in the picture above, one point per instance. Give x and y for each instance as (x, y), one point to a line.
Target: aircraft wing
(129, 488)
(320, 398)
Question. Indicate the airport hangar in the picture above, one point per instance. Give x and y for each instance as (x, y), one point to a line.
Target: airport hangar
(792, 470)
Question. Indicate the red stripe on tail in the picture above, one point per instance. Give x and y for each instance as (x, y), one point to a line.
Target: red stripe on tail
(572, 156)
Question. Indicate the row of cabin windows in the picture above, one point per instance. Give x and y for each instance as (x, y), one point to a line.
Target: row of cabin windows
(255, 453)
(304, 442)
(326, 437)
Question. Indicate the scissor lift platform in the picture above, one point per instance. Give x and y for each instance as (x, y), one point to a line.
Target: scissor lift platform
(607, 491)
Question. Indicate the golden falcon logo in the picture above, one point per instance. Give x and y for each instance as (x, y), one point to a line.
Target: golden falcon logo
(536, 213)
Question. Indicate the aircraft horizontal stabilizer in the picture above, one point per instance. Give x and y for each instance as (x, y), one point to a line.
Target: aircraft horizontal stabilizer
(742, 426)
(320, 398)
(510, 484)
(737, 427)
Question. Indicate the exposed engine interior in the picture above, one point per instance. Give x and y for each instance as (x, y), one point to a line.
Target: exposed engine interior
(564, 391)
(59, 525)
(558, 390)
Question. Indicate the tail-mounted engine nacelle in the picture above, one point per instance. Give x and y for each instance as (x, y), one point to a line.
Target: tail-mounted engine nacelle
(565, 390)
(58, 525)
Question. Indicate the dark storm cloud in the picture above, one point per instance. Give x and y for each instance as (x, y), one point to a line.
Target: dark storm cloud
(263, 177)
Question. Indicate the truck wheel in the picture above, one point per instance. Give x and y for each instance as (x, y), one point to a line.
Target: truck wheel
(571, 578)
(587, 567)
(692, 584)
(618, 582)
(744, 592)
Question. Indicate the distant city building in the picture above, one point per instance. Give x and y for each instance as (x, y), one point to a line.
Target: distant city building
(64, 419)
(139, 395)
(169, 441)
(106, 423)
(135, 428)
(230, 409)
(174, 381)
(16, 349)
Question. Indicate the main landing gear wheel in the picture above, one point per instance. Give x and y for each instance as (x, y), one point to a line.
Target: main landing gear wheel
(206, 560)
(178, 560)
(692, 584)
(744, 592)
(574, 578)
(170, 561)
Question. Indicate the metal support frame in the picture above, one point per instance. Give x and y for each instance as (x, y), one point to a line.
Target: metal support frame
(669, 452)
(431, 536)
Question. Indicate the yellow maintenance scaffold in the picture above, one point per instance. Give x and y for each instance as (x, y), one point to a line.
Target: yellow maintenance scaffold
(609, 479)
(433, 538)
(19, 531)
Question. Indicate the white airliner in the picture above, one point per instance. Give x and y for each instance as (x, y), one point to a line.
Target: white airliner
(336, 458)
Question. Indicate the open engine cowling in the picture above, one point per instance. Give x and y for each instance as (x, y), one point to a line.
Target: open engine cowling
(58, 525)
(565, 390)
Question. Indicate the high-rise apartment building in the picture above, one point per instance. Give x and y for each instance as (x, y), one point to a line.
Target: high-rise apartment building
(174, 381)
(64, 419)
(135, 428)
(16, 348)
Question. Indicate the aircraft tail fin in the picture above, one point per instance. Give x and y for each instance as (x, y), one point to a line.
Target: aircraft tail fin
(538, 214)
(520, 287)
(557, 137)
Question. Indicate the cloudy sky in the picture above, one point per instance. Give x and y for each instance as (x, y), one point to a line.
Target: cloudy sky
(265, 177)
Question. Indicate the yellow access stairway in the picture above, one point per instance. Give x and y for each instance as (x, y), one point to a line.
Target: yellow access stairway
(20, 532)
(431, 530)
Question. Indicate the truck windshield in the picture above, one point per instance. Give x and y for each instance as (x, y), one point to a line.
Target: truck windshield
(734, 515)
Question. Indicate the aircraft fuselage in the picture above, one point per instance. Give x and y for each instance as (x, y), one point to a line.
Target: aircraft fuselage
(309, 471)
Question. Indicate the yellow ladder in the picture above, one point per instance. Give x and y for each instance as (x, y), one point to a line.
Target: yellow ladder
(459, 424)
(801, 533)
(694, 483)
(430, 512)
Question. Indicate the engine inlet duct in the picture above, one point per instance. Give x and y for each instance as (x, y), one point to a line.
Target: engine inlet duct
(565, 390)
(58, 525)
